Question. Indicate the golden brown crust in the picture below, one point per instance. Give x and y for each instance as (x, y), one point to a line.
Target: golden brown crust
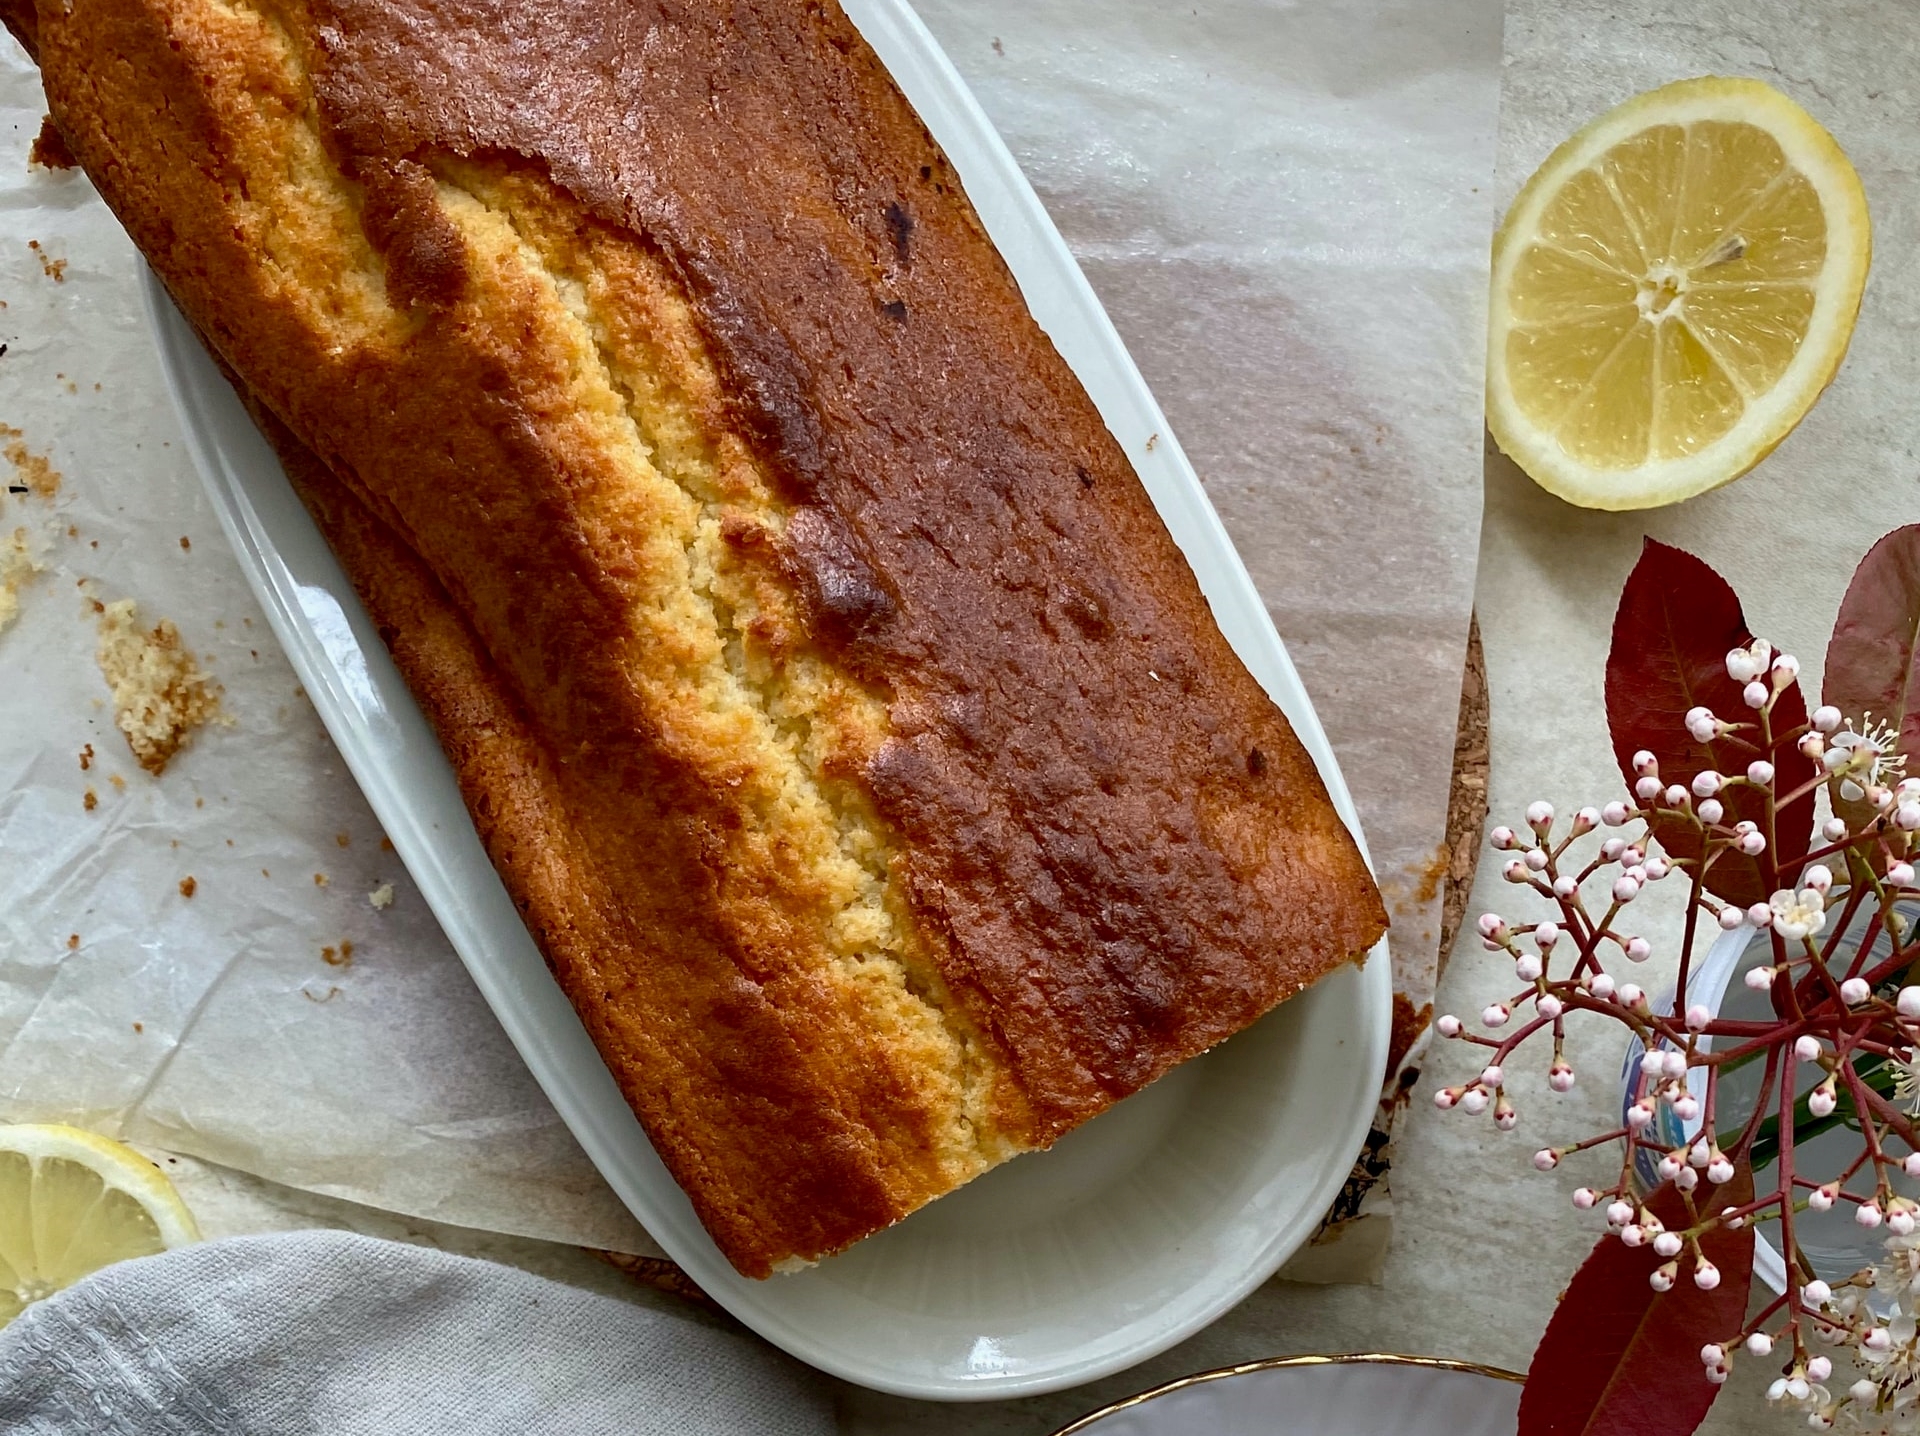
(854, 737)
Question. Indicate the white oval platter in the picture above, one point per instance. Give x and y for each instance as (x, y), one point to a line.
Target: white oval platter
(1061, 1267)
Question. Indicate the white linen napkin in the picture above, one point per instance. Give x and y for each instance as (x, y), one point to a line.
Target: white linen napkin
(328, 1332)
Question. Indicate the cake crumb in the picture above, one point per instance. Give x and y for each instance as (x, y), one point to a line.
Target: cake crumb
(341, 956)
(139, 1027)
(73, 942)
(19, 563)
(119, 783)
(319, 880)
(90, 800)
(86, 757)
(386, 845)
(188, 886)
(54, 269)
(159, 693)
(186, 546)
(342, 839)
(381, 897)
(50, 150)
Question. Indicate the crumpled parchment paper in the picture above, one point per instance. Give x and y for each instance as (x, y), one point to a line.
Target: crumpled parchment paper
(1285, 209)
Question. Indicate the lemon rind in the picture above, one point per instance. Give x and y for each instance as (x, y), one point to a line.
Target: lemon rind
(1809, 148)
(117, 1164)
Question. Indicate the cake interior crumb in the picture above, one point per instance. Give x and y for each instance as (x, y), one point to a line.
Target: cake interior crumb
(159, 694)
(381, 897)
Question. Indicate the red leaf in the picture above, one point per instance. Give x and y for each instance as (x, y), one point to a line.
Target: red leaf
(1620, 1359)
(1873, 665)
(1676, 622)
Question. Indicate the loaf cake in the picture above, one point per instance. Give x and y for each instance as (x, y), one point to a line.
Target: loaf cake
(852, 736)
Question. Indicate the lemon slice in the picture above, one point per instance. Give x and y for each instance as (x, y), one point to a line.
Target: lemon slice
(71, 1203)
(1671, 292)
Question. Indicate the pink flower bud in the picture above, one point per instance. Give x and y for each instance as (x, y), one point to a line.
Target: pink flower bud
(1473, 1101)
(1566, 885)
(1868, 1215)
(1711, 812)
(1686, 1108)
(1539, 815)
(1625, 889)
(1656, 868)
(1912, 1165)
(1502, 837)
(1719, 1171)
(1713, 1355)
(1760, 915)
(1506, 1120)
(1611, 849)
(1638, 949)
(1698, 1016)
(1786, 668)
(1560, 1077)
(1706, 1275)
(1614, 814)
(1667, 1244)
(1717, 1375)
(1877, 1339)
(1855, 991)
(1821, 1199)
(1669, 1169)
(1548, 1006)
(1741, 667)
(1584, 1198)
(1819, 1368)
(1632, 996)
(1706, 783)
(1900, 874)
(1759, 978)
(1731, 918)
(1760, 1344)
(1644, 763)
(1812, 745)
(1527, 967)
(1446, 1097)
(1448, 1025)
(1663, 1277)
(1640, 1115)
(1816, 1294)
(1545, 1160)
(1752, 844)
(1908, 1002)
(1586, 820)
(1647, 789)
(1515, 871)
(1827, 718)
(1492, 925)
(1535, 859)
(1495, 1015)
(1900, 1222)
(1674, 1062)
(1546, 934)
(1819, 877)
(1835, 830)
(1492, 1076)
(1676, 796)
(1632, 1235)
(1760, 771)
(1619, 1214)
(1807, 1047)
(1755, 695)
(1652, 1063)
(1821, 1101)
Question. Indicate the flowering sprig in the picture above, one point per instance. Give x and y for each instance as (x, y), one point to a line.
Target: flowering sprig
(1721, 800)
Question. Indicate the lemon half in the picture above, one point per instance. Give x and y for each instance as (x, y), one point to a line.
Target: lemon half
(1672, 290)
(71, 1203)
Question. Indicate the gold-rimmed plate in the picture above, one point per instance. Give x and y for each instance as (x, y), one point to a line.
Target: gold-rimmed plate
(1366, 1394)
